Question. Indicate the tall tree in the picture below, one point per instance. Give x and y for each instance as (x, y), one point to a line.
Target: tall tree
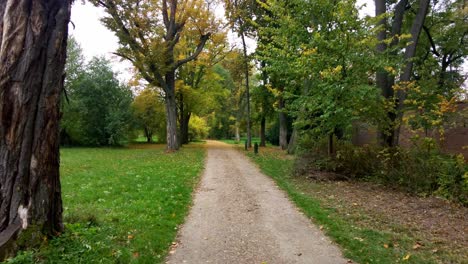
(33, 37)
(98, 111)
(326, 79)
(444, 46)
(238, 12)
(149, 32)
(148, 110)
(193, 76)
(263, 100)
(386, 81)
(234, 63)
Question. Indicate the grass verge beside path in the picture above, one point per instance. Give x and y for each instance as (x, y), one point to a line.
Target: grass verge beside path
(362, 236)
(242, 140)
(121, 205)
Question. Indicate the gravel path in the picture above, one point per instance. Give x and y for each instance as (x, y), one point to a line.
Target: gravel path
(240, 216)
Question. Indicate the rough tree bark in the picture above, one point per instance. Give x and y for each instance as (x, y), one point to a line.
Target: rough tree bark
(171, 112)
(33, 37)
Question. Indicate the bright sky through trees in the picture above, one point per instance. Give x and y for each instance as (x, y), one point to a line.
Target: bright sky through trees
(96, 40)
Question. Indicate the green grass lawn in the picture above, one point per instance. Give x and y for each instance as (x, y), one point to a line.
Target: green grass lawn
(361, 243)
(242, 141)
(121, 205)
(143, 139)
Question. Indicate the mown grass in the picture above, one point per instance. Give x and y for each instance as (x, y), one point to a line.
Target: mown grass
(121, 205)
(143, 139)
(359, 242)
(242, 141)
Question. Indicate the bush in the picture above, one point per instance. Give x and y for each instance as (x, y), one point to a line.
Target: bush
(453, 181)
(423, 170)
(198, 129)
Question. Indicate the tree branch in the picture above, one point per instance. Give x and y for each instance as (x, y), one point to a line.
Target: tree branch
(124, 56)
(103, 4)
(164, 12)
(452, 59)
(112, 10)
(203, 40)
(428, 33)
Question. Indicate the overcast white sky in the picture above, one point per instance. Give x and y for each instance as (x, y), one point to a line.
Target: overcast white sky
(97, 40)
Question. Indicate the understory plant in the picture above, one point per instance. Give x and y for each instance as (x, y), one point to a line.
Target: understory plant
(423, 169)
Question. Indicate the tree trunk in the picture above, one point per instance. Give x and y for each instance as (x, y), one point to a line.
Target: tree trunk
(384, 80)
(385, 135)
(247, 89)
(171, 114)
(237, 132)
(184, 127)
(331, 147)
(148, 135)
(262, 132)
(293, 142)
(283, 125)
(410, 52)
(33, 37)
(184, 119)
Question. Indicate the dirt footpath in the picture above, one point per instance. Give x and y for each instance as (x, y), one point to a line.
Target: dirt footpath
(240, 216)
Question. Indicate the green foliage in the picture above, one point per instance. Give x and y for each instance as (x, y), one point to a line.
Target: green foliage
(198, 128)
(443, 49)
(75, 64)
(222, 120)
(149, 113)
(329, 53)
(120, 205)
(272, 131)
(98, 112)
(453, 180)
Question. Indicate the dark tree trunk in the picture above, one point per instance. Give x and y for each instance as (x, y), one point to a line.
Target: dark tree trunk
(384, 80)
(331, 147)
(184, 127)
(184, 119)
(410, 52)
(262, 132)
(171, 113)
(33, 41)
(283, 125)
(443, 72)
(148, 135)
(247, 90)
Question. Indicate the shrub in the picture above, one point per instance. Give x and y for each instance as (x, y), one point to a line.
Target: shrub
(423, 170)
(198, 129)
(453, 181)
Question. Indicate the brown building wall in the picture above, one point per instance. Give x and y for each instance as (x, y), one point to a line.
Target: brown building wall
(454, 141)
